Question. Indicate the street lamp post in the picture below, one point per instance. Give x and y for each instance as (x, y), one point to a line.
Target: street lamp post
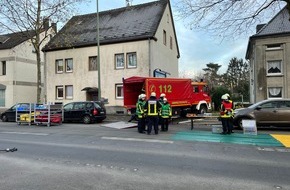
(98, 56)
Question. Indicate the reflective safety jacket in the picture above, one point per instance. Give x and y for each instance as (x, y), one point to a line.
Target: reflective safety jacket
(152, 106)
(140, 108)
(166, 110)
(226, 109)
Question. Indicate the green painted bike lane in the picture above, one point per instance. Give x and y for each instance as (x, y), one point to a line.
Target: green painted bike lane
(235, 138)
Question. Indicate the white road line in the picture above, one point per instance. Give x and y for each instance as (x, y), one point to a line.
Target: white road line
(187, 121)
(24, 133)
(139, 140)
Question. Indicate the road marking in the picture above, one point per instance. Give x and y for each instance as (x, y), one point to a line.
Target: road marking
(139, 140)
(24, 133)
(284, 139)
(187, 121)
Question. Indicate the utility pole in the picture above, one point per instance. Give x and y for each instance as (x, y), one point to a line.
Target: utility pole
(98, 56)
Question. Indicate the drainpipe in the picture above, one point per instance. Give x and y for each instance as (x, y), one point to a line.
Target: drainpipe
(286, 94)
(45, 79)
(149, 55)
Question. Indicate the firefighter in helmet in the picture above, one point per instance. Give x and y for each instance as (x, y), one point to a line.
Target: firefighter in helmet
(140, 113)
(152, 108)
(166, 113)
(226, 113)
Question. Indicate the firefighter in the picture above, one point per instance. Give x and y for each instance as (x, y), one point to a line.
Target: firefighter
(140, 113)
(231, 120)
(166, 113)
(152, 107)
(162, 96)
(226, 113)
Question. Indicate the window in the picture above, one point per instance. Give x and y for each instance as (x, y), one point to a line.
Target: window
(269, 105)
(68, 65)
(68, 107)
(275, 92)
(59, 65)
(93, 63)
(119, 91)
(273, 46)
(3, 67)
(274, 67)
(69, 92)
(79, 106)
(59, 92)
(164, 37)
(171, 42)
(2, 98)
(131, 60)
(119, 60)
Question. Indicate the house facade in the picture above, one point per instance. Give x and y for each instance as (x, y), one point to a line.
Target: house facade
(268, 53)
(134, 41)
(18, 69)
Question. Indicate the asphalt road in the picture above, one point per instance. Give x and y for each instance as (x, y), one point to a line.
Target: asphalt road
(77, 156)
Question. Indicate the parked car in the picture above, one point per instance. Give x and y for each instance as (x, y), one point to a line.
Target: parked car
(10, 114)
(271, 112)
(85, 111)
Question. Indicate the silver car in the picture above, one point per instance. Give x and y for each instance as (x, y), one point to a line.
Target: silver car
(271, 112)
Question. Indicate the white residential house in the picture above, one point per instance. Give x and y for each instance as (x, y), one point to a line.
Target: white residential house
(134, 41)
(18, 68)
(269, 55)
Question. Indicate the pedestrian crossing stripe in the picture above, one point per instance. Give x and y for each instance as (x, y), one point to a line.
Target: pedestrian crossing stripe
(284, 139)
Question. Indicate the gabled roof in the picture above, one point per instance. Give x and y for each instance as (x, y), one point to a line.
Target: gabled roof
(8, 41)
(279, 25)
(118, 25)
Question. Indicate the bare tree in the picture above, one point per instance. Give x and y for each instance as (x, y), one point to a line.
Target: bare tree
(28, 16)
(228, 18)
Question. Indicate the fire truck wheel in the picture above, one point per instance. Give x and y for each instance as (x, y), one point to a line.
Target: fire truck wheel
(202, 109)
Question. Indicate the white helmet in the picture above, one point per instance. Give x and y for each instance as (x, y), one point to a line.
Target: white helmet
(164, 99)
(143, 95)
(227, 95)
(139, 97)
(153, 94)
(224, 97)
(162, 95)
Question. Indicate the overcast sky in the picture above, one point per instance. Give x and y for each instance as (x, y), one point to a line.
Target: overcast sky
(196, 48)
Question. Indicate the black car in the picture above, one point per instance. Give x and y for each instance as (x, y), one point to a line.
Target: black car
(85, 111)
(10, 114)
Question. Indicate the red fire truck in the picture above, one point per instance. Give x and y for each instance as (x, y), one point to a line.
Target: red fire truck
(184, 95)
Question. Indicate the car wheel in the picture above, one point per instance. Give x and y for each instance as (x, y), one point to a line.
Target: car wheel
(86, 119)
(4, 118)
(240, 122)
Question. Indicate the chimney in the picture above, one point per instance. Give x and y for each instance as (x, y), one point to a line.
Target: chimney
(259, 27)
(54, 27)
(127, 3)
(46, 24)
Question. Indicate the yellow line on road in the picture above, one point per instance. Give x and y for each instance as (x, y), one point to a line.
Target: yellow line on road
(284, 139)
